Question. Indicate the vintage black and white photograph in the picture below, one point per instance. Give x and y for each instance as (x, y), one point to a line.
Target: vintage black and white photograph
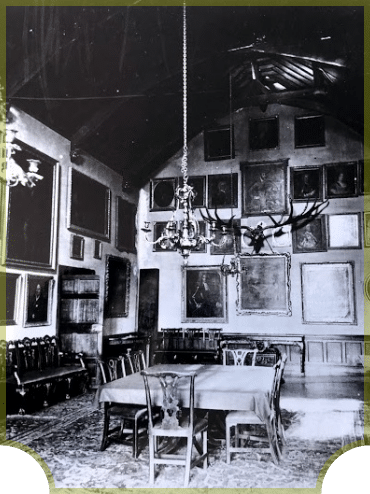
(125, 124)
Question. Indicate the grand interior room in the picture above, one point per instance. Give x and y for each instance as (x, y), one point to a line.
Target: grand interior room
(185, 210)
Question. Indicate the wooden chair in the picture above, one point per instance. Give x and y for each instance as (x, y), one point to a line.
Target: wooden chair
(133, 419)
(239, 355)
(273, 428)
(174, 422)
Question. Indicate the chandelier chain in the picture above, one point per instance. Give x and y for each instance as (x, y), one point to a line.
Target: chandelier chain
(184, 162)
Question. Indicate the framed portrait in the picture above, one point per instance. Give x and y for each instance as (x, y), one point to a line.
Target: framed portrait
(310, 237)
(159, 228)
(306, 183)
(229, 243)
(125, 225)
(367, 229)
(32, 214)
(344, 231)
(77, 247)
(341, 179)
(89, 206)
(98, 249)
(117, 287)
(223, 191)
(264, 133)
(9, 312)
(38, 302)
(199, 189)
(264, 187)
(202, 248)
(328, 293)
(309, 131)
(264, 284)
(219, 143)
(162, 194)
(203, 294)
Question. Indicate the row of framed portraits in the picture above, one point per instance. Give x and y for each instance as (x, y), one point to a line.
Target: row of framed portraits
(309, 131)
(37, 292)
(264, 187)
(32, 214)
(334, 231)
(263, 286)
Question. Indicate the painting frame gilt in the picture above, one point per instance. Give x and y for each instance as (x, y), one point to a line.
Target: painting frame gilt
(38, 300)
(9, 312)
(117, 287)
(341, 179)
(263, 284)
(264, 187)
(264, 133)
(162, 194)
(204, 296)
(219, 143)
(328, 293)
(311, 236)
(223, 191)
(89, 206)
(32, 214)
(306, 183)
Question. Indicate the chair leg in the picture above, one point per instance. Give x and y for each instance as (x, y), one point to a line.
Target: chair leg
(152, 441)
(228, 443)
(135, 441)
(104, 442)
(189, 447)
(205, 448)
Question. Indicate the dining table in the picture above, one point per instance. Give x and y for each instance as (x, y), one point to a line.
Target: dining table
(217, 387)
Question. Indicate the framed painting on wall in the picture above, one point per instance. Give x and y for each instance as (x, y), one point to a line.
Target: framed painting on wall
(344, 231)
(89, 206)
(264, 133)
(117, 287)
(32, 214)
(159, 228)
(9, 311)
(203, 294)
(310, 237)
(38, 303)
(162, 194)
(77, 247)
(219, 143)
(341, 179)
(125, 225)
(309, 131)
(201, 248)
(328, 293)
(199, 189)
(264, 284)
(264, 187)
(367, 229)
(227, 243)
(223, 191)
(306, 183)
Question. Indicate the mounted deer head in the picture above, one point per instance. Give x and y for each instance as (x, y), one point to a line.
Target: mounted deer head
(257, 234)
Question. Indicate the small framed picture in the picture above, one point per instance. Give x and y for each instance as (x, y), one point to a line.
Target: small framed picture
(306, 183)
(98, 249)
(223, 191)
(164, 246)
(311, 237)
(341, 179)
(219, 143)
(344, 231)
(77, 247)
(264, 133)
(309, 131)
(367, 229)
(9, 311)
(199, 190)
(39, 291)
(162, 194)
(229, 243)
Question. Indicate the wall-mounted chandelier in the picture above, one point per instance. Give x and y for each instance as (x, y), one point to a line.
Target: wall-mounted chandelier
(185, 237)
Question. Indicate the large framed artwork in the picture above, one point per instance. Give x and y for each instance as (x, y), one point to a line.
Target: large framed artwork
(89, 206)
(125, 225)
(344, 231)
(204, 294)
(117, 287)
(306, 183)
(328, 293)
(264, 187)
(9, 312)
(162, 194)
(264, 133)
(264, 284)
(219, 143)
(32, 214)
(341, 179)
(38, 302)
(309, 131)
(223, 191)
(310, 237)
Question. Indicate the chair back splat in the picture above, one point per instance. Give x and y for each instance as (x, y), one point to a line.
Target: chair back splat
(162, 389)
(239, 356)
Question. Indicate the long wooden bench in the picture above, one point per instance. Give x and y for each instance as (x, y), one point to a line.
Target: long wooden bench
(38, 373)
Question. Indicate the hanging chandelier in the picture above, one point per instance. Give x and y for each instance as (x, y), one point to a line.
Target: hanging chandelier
(186, 236)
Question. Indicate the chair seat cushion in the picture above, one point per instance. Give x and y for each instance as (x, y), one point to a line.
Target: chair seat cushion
(242, 417)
